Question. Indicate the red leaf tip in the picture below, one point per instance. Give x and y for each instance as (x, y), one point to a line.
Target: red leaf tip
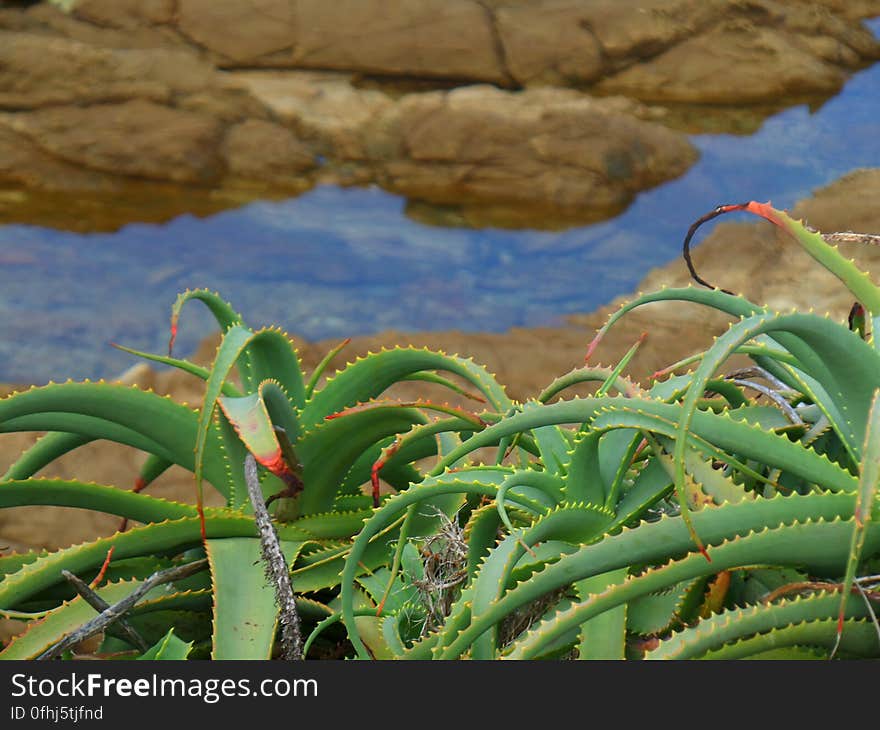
(592, 347)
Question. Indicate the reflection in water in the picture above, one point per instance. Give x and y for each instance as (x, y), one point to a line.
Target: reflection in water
(336, 262)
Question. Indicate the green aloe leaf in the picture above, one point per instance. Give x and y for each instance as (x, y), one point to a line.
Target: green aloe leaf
(184, 365)
(731, 304)
(572, 524)
(48, 448)
(223, 312)
(169, 648)
(859, 640)
(119, 413)
(245, 612)
(816, 535)
(329, 451)
(454, 483)
(88, 495)
(720, 430)
(847, 368)
(272, 356)
(368, 377)
(739, 623)
(869, 480)
(602, 637)
(857, 281)
(171, 537)
(44, 632)
(250, 417)
(658, 612)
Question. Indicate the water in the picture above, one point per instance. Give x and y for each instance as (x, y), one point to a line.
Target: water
(337, 262)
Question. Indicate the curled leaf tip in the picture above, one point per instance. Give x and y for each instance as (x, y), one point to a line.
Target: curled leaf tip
(686, 252)
(594, 343)
(173, 335)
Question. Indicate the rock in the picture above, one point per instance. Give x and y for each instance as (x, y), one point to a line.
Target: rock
(669, 50)
(83, 117)
(226, 104)
(125, 14)
(324, 108)
(653, 50)
(847, 204)
(496, 154)
(261, 150)
(39, 70)
(450, 39)
(542, 44)
(851, 9)
(240, 33)
(551, 147)
(103, 23)
(23, 163)
(138, 138)
(76, 95)
(737, 62)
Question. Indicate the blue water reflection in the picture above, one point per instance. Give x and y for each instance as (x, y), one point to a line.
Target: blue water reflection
(337, 262)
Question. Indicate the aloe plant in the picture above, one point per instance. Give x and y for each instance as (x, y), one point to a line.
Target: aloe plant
(315, 462)
(701, 515)
(682, 520)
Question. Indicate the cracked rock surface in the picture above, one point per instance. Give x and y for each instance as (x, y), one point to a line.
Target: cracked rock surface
(271, 94)
(78, 116)
(627, 45)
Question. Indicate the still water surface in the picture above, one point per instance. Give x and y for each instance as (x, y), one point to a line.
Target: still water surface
(336, 262)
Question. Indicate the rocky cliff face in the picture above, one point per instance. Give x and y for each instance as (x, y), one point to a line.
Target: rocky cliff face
(166, 91)
(665, 49)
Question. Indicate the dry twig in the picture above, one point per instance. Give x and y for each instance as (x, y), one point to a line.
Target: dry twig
(113, 613)
(277, 572)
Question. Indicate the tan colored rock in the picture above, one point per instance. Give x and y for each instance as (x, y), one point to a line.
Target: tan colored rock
(451, 39)
(736, 62)
(105, 23)
(641, 48)
(25, 164)
(497, 158)
(125, 13)
(847, 204)
(258, 150)
(633, 31)
(137, 138)
(226, 104)
(551, 43)
(545, 146)
(239, 32)
(479, 146)
(852, 9)
(38, 70)
(324, 108)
